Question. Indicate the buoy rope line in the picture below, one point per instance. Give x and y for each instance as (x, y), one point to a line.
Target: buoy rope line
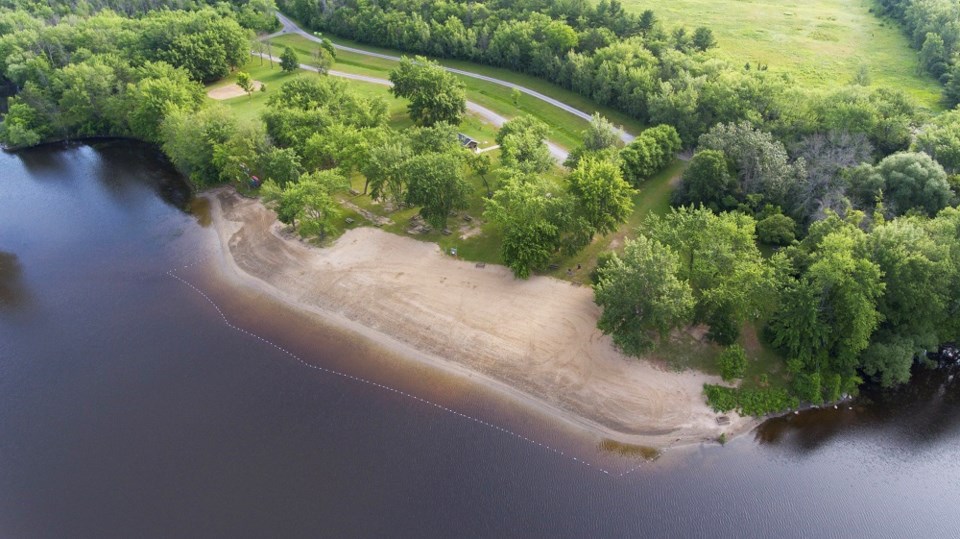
(173, 274)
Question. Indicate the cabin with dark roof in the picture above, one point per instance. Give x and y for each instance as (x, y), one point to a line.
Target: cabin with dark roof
(467, 142)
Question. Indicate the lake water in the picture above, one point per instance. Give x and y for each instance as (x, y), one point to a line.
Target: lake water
(128, 408)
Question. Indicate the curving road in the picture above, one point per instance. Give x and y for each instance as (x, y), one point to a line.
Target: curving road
(559, 154)
(290, 27)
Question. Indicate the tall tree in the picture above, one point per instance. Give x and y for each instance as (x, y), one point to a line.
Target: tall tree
(642, 296)
(308, 204)
(707, 182)
(435, 94)
(530, 218)
(523, 145)
(436, 183)
(719, 258)
(601, 194)
(384, 170)
(289, 61)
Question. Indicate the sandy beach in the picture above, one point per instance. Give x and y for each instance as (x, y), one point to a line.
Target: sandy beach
(534, 340)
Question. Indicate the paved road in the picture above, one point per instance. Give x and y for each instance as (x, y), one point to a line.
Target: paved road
(488, 115)
(290, 27)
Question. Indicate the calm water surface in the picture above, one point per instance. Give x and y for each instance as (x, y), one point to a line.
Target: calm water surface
(129, 409)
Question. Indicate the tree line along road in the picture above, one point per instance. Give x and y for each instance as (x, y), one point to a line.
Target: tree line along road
(290, 27)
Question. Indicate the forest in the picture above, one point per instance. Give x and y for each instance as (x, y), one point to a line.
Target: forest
(827, 219)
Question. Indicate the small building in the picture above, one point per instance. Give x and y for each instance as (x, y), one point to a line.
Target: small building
(467, 142)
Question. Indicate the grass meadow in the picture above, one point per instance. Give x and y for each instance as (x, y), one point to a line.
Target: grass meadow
(820, 43)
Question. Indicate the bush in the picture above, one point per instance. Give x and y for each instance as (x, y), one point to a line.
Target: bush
(749, 401)
(777, 229)
(603, 259)
(733, 362)
(809, 387)
(760, 402)
(721, 399)
(724, 326)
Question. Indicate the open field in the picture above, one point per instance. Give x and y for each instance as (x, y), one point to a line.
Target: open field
(819, 42)
(565, 128)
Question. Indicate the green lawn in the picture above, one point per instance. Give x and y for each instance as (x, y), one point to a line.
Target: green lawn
(819, 42)
(565, 128)
(249, 107)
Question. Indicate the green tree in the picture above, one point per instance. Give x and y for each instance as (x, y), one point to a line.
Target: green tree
(89, 91)
(941, 140)
(600, 134)
(777, 229)
(601, 194)
(190, 139)
(160, 90)
(732, 362)
(703, 39)
(245, 82)
(523, 146)
(436, 183)
(601, 137)
(282, 165)
(761, 163)
(481, 164)
(933, 55)
(23, 125)
(829, 311)
(240, 156)
(289, 61)
(435, 95)
(889, 362)
(914, 180)
(322, 60)
(308, 204)
(530, 219)
(384, 171)
(719, 258)
(642, 296)
(707, 182)
(649, 153)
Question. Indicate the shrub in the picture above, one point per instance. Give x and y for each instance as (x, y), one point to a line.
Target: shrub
(733, 362)
(721, 399)
(777, 229)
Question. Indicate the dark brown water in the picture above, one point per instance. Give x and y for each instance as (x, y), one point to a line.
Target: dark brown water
(128, 408)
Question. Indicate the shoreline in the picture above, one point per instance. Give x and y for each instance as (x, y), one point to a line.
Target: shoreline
(533, 341)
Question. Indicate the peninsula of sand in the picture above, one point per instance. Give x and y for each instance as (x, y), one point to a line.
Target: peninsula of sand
(534, 340)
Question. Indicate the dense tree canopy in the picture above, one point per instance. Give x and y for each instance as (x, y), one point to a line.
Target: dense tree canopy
(523, 144)
(532, 219)
(642, 295)
(308, 203)
(435, 94)
(436, 183)
(649, 153)
(603, 197)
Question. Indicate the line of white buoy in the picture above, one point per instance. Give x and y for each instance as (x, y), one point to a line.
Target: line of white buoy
(172, 274)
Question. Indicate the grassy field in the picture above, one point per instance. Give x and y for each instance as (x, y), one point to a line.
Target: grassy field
(565, 128)
(819, 42)
(249, 107)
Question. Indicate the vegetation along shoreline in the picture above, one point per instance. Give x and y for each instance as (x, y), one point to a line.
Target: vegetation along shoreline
(808, 242)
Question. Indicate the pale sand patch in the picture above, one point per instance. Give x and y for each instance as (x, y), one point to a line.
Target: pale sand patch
(533, 340)
(231, 90)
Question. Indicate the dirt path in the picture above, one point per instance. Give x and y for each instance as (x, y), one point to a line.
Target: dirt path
(534, 340)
